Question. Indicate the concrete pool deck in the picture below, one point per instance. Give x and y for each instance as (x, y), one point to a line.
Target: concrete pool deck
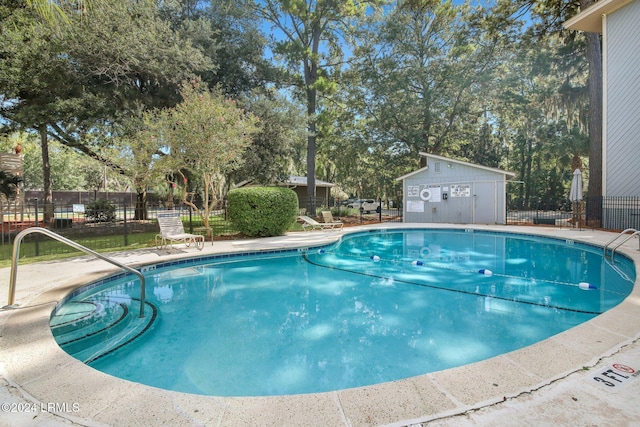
(548, 383)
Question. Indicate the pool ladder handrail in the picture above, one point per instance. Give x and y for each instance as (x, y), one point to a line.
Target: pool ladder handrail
(613, 249)
(30, 230)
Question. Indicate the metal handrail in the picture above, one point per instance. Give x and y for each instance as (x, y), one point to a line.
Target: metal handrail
(606, 245)
(16, 253)
(613, 250)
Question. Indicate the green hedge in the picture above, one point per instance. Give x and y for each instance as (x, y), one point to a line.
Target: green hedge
(262, 211)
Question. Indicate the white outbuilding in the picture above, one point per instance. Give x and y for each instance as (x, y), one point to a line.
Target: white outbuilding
(452, 191)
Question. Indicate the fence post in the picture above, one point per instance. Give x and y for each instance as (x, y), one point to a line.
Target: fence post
(380, 205)
(36, 236)
(190, 220)
(126, 234)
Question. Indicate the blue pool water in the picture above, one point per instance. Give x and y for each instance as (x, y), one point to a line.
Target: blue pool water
(374, 307)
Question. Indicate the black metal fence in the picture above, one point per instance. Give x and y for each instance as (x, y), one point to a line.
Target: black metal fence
(93, 226)
(617, 213)
(120, 228)
(111, 225)
(388, 212)
(608, 213)
(560, 212)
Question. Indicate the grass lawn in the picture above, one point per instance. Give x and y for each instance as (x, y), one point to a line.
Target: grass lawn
(51, 249)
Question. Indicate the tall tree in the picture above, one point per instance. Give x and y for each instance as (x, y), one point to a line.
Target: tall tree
(109, 64)
(539, 111)
(227, 33)
(422, 65)
(40, 86)
(206, 136)
(132, 56)
(271, 157)
(549, 16)
(353, 153)
(308, 35)
(594, 56)
(139, 148)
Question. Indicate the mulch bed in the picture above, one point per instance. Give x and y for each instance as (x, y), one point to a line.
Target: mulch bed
(352, 222)
(237, 236)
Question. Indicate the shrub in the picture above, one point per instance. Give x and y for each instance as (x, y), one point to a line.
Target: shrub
(342, 211)
(262, 211)
(100, 211)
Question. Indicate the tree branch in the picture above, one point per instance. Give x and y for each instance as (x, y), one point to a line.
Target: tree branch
(67, 140)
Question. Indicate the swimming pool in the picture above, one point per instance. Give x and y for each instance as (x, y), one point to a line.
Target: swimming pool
(374, 307)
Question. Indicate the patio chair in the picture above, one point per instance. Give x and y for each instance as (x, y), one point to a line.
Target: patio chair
(309, 224)
(328, 219)
(172, 230)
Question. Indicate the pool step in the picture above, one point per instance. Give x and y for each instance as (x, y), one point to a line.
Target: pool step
(89, 336)
(72, 315)
(102, 329)
(99, 324)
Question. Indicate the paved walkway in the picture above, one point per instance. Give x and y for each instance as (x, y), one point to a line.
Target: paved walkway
(549, 383)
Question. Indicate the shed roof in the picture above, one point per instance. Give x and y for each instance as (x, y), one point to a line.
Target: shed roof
(296, 181)
(302, 181)
(590, 19)
(508, 175)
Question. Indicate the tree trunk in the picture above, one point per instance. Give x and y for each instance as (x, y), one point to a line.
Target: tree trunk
(594, 56)
(46, 176)
(140, 212)
(310, 77)
(528, 163)
(311, 167)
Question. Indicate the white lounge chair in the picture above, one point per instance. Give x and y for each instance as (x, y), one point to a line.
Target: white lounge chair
(328, 219)
(172, 230)
(311, 224)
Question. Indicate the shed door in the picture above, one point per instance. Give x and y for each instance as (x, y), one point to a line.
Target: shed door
(485, 203)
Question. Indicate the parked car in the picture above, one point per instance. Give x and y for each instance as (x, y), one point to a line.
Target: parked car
(354, 203)
(348, 202)
(367, 206)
